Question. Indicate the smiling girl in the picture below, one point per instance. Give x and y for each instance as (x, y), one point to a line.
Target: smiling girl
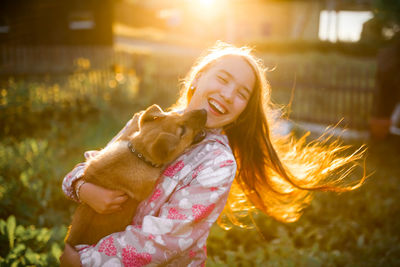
(238, 161)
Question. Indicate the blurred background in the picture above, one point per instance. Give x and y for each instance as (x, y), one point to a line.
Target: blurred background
(73, 72)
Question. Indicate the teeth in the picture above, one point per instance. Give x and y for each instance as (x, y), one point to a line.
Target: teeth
(217, 106)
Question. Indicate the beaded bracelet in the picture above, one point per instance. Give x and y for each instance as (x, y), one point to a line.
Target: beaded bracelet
(78, 189)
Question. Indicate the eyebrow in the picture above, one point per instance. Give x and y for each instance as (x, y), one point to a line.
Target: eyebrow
(231, 76)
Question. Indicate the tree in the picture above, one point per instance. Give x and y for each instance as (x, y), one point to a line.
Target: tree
(385, 25)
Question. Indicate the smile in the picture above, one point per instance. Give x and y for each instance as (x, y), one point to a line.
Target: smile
(216, 106)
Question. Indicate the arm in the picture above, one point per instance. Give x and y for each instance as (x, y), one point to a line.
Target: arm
(178, 217)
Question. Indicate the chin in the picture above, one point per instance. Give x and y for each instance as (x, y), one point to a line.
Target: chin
(213, 126)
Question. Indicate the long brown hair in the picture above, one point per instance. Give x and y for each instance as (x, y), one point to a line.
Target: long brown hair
(276, 174)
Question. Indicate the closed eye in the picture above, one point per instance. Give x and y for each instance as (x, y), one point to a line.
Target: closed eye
(222, 79)
(242, 95)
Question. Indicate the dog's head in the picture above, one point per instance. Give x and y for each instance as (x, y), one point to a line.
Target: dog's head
(164, 136)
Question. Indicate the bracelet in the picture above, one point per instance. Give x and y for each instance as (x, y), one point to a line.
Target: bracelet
(78, 189)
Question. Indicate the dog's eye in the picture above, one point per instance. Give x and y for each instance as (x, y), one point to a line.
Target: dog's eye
(182, 130)
(150, 118)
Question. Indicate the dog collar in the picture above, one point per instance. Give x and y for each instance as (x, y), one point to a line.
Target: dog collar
(141, 157)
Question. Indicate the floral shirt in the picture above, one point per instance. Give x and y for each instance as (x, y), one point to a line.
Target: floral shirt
(171, 227)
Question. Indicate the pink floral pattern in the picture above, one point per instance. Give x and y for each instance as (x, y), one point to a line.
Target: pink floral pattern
(226, 163)
(197, 170)
(192, 254)
(174, 169)
(107, 246)
(218, 152)
(131, 258)
(201, 211)
(156, 195)
(174, 214)
(171, 226)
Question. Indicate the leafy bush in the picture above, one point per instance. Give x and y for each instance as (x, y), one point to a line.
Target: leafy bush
(23, 246)
(43, 136)
(25, 172)
(47, 105)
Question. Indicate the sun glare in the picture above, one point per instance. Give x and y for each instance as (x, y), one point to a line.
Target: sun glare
(203, 3)
(206, 9)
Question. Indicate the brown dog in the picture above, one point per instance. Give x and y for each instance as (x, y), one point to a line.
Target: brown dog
(132, 164)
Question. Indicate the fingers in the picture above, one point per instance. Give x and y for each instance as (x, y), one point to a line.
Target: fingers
(117, 193)
(120, 199)
(102, 200)
(114, 204)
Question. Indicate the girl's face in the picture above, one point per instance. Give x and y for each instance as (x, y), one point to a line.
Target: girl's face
(223, 90)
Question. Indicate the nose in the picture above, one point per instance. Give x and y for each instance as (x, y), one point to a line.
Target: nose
(228, 93)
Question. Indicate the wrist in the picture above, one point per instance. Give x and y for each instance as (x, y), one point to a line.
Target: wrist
(78, 189)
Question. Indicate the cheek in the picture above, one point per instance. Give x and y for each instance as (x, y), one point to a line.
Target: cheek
(199, 95)
(240, 106)
(194, 101)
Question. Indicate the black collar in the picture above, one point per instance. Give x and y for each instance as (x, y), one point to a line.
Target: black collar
(140, 156)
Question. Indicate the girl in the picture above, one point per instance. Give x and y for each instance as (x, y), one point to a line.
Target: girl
(273, 174)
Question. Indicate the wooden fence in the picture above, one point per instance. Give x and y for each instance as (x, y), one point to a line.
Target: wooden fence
(326, 92)
(325, 89)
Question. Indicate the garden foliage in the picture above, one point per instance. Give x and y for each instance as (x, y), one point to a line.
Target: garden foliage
(43, 127)
(46, 126)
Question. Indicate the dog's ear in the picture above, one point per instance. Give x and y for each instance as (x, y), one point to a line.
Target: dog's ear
(151, 113)
(131, 127)
(165, 143)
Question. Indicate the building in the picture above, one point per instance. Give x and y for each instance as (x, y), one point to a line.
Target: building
(49, 22)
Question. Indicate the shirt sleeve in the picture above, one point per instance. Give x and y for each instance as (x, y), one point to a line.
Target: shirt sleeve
(78, 171)
(192, 197)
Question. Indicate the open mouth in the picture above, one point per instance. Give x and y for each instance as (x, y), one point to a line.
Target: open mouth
(216, 107)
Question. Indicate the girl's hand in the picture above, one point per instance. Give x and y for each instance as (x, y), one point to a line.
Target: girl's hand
(102, 200)
(70, 257)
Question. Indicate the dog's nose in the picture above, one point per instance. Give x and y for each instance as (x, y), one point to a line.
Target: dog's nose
(198, 117)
